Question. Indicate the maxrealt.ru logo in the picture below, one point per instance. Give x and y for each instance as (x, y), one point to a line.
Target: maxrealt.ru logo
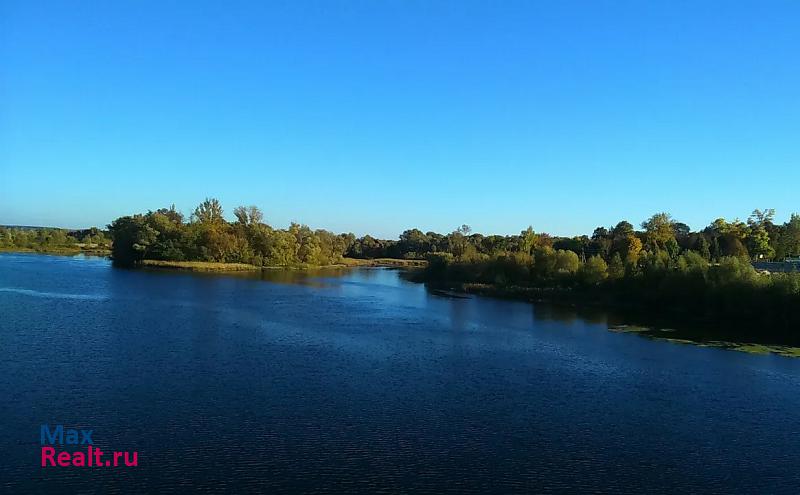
(77, 438)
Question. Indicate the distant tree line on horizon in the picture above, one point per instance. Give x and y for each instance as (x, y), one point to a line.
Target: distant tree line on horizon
(50, 239)
(758, 238)
(165, 234)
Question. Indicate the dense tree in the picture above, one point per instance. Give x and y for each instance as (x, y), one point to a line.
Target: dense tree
(681, 230)
(616, 268)
(47, 239)
(594, 271)
(527, 240)
(659, 230)
(162, 235)
(622, 230)
(413, 242)
(209, 211)
(758, 240)
(601, 242)
(661, 245)
(789, 243)
(567, 262)
(133, 238)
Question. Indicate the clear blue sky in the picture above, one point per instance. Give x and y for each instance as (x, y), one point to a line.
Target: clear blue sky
(377, 116)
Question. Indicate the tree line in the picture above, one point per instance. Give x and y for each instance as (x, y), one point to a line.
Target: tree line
(165, 234)
(662, 268)
(757, 238)
(47, 239)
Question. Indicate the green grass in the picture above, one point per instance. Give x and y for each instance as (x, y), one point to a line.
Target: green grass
(384, 262)
(213, 266)
(780, 350)
(748, 347)
(200, 266)
(62, 250)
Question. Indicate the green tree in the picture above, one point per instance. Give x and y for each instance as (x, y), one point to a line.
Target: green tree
(789, 243)
(703, 247)
(659, 229)
(527, 240)
(594, 271)
(209, 211)
(567, 262)
(758, 240)
(633, 247)
(458, 242)
(132, 238)
(616, 268)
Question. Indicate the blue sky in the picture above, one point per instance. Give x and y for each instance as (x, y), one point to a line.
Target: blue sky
(377, 116)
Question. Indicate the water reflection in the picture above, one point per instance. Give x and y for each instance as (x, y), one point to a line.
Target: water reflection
(570, 314)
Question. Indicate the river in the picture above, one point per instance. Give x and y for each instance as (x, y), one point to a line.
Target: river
(360, 381)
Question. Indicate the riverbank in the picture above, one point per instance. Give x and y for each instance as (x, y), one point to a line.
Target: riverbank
(60, 251)
(385, 262)
(200, 266)
(214, 266)
(672, 335)
(706, 325)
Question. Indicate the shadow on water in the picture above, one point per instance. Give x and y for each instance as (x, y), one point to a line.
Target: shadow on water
(672, 329)
(655, 323)
(319, 277)
(662, 325)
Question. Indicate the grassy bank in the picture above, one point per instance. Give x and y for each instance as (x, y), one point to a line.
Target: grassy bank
(388, 262)
(200, 266)
(675, 337)
(62, 251)
(214, 266)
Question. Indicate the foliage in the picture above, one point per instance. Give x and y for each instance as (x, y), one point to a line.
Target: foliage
(208, 237)
(707, 273)
(53, 240)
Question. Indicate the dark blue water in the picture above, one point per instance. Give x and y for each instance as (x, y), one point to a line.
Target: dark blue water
(333, 382)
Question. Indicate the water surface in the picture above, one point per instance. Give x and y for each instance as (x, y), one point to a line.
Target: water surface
(360, 381)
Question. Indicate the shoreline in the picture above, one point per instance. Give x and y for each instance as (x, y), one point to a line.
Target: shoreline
(215, 266)
(65, 251)
(635, 319)
(198, 266)
(658, 324)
